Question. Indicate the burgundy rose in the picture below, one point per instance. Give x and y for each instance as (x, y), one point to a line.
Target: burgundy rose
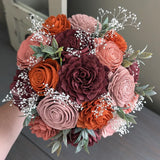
(74, 42)
(134, 71)
(73, 137)
(84, 79)
(21, 89)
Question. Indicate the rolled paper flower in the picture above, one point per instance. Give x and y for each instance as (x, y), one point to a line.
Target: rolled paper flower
(131, 105)
(84, 79)
(25, 58)
(108, 53)
(134, 71)
(73, 137)
(95, 114)
(21, 89)
(121, 86)
(41, 130)
(113, 126)
(57, 113)
(84, 22)
(44, 75)
(54, 25)
(116, 38)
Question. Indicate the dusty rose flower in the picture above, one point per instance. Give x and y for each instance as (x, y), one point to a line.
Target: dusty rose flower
(113, 126)
(57, 113)
(84, 22)
(121, 86)
(134, 71)
(73, 137)
(84, 79)
(25, 52)
(108, 53)
(21, 89)
(41, 130)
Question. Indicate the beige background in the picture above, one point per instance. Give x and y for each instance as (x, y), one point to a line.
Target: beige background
(147, 11)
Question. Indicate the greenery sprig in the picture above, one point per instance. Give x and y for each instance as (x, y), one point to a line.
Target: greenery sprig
(145, 90)
(128, 117)
(46, 51)
(129, 59)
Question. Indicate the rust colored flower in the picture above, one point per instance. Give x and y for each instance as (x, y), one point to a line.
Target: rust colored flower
(116, 38)
(95, 114)
(44, 74)
(54, 25)
(41, 130)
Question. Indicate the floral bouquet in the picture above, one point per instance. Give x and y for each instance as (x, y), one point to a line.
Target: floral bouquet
(77, 80)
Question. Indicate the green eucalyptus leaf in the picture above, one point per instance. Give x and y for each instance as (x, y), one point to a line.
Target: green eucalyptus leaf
(65, 139)
(59, 150)
(91, 132)
(48, 49)
(105, 21)
(85, 134)
(54, 43)
(79, 146)
(133, 56)
(76, 130)
(145, 55)
(36, 49)
(55, 146)
(126, 63)
(78, 139)
(57, 136)
(26, 121)
(130, 119)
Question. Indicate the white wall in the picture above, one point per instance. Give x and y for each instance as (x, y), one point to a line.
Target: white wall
(148, 12)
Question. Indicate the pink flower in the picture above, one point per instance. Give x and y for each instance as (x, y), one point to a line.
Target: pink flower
(57, 114)
(84, 22)
(121, 86)
(113, 126)
(108, 53)
(25, 52)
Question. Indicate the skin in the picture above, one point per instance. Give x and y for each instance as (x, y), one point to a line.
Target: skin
(11, 125)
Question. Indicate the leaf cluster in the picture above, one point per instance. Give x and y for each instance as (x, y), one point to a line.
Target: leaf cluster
(57, 140)
(128, 117)
(83, 139)
(46, 51)
(145, 90)
(105, 28)
(129, 59)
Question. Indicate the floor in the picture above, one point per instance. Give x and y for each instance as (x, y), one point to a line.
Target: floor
(142, 143)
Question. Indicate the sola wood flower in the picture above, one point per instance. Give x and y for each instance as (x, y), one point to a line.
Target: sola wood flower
(116, 38)
(25, 52)
(43, 75)
(57, 113)
(54, 25)
(84, 22)
(121, 86)
(41, 130)
(84, 79)
(95, 114)
(108, 53)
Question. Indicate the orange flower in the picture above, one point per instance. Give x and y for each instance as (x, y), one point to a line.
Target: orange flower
(44, 73)
(95, 114)
(54, 25)
(41, 130)
(116, 38)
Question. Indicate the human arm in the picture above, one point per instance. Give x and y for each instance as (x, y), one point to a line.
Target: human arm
(11, 125)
